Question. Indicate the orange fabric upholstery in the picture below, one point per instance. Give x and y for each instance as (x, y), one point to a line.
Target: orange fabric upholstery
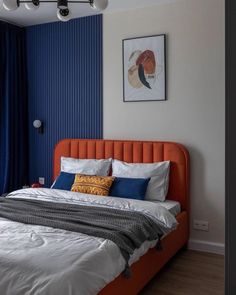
(133, 152)
(149, 264)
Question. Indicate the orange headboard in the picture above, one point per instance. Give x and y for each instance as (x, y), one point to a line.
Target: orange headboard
(133, 152)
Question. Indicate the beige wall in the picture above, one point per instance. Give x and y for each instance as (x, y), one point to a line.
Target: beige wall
(194, 112)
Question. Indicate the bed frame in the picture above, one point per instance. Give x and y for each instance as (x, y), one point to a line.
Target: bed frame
(140, 152)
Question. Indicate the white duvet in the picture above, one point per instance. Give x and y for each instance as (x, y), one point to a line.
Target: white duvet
(38, 260)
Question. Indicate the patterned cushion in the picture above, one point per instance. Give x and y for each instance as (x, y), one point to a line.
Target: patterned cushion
(94, 185)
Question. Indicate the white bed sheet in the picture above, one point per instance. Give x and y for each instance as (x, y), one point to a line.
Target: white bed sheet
(38, 260)
(173, 207)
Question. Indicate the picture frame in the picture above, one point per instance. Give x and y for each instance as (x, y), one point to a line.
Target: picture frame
(144, 68)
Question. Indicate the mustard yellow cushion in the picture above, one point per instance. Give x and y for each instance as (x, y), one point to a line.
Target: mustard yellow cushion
(94, 185)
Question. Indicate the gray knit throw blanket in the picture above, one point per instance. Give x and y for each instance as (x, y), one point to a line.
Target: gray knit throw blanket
(127, 229)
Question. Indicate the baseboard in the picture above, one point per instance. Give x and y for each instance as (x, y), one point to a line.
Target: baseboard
(205, 246)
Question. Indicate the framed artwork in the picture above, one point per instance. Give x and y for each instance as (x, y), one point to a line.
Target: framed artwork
(144, 68)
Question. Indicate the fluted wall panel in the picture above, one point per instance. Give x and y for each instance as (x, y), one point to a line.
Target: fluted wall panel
(65, 86)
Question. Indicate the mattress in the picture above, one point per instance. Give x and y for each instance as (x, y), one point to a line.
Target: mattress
(173, 207)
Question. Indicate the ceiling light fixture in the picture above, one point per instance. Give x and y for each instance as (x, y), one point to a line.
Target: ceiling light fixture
(63, 12)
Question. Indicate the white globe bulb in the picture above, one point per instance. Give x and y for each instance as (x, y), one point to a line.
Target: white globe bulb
(37, 123)
(100, 4)
(63, 18)
(31, 6)
(10, 4)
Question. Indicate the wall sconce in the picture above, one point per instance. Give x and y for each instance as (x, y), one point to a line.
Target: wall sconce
(38, 125)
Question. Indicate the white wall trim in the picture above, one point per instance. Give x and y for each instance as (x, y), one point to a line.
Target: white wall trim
(204, 246)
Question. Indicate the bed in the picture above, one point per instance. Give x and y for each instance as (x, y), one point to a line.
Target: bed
(140, 152)
(148, 264)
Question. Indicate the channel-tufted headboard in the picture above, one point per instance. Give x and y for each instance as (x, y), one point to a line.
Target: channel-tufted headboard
(133, 152)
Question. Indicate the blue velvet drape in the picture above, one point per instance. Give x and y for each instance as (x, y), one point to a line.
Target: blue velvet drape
(13, 109)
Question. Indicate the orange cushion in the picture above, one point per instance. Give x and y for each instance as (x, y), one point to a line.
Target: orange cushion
(94, 185)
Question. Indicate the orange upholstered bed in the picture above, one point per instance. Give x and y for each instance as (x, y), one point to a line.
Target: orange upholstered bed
(140, 152)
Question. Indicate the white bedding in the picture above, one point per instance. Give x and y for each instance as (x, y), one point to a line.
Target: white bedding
(38, 260)
(173, 207)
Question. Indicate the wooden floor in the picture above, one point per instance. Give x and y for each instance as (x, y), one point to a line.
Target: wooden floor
(189, 273)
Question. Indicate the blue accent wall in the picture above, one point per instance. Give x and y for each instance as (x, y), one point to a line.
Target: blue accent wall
(65, 86)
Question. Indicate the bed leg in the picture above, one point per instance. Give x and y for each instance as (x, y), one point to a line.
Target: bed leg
(185, 247)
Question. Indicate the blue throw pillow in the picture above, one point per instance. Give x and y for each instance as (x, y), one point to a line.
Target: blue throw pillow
(64, 181)
(132, 188)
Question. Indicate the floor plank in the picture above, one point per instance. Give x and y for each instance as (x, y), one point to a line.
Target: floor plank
(189, 273)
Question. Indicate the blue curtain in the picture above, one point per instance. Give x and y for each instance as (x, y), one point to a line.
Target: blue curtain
(13, 109)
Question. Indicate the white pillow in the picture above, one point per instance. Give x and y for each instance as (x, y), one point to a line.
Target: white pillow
(86, 166)
(159, 172)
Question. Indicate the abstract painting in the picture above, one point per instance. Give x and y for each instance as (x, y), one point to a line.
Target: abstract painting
(144, 69)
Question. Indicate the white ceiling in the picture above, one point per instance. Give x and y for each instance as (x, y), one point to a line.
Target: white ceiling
(47, 12)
